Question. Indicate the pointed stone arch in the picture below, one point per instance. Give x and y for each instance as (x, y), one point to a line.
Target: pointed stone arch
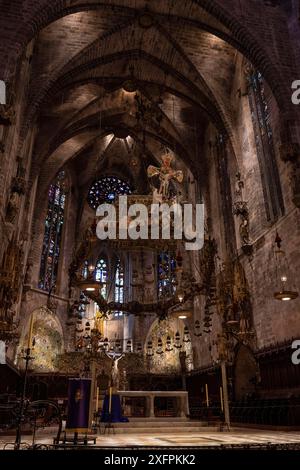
(49, 339)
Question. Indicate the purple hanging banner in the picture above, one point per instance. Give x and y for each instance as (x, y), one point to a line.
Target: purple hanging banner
(79, 393)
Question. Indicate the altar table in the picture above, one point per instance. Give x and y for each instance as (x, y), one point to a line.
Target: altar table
(181, 397)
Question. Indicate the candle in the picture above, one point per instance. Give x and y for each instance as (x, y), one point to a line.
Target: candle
(29, 344)
(206, 393)
(97, 399)
(221, 398)
(110, 396)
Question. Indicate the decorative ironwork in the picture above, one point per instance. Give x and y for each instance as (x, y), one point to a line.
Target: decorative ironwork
(233, 304)
(147, 113)
(286, 291)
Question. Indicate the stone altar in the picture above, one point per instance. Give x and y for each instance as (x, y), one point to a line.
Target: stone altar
(181, 399)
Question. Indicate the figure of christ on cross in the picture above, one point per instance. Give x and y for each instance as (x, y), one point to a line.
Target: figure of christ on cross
(114, 375)
(165, 174)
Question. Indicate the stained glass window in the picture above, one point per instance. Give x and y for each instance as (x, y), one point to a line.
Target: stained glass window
(53, 233)
(106, 189)
(85, 269)
(119, 285)
(166, 274)
(101, 275)
(261, 118)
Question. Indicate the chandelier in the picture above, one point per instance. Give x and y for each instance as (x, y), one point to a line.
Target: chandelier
(93, 341)
(177, 303)
(168, 344)
(233, 302)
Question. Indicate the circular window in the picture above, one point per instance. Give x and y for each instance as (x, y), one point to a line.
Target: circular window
(106, 189)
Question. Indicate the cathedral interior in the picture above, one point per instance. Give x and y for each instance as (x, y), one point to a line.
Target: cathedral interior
(186, 102)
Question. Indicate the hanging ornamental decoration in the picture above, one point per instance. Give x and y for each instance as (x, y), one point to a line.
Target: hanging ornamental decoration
(166, 174)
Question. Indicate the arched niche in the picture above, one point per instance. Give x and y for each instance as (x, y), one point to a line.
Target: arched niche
(49, 343)
(176, 361)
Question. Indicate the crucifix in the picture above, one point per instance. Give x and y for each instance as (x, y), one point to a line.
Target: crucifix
(165, 174)
(114, 375)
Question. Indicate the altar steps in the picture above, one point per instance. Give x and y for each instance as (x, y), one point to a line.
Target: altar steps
(161, 426)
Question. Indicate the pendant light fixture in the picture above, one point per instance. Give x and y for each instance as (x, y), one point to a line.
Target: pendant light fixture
(159, 349)
(169, 344)
(285, 292)
(186, 335)
(150, 349)
(177, 343)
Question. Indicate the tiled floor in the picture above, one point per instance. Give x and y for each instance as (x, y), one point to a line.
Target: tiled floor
(236, 436)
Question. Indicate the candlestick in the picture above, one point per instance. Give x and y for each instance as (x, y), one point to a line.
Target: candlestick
(29, 343)
(110, 396)
(206, 393)
(97, 399)
(221, 398)
(20, 416)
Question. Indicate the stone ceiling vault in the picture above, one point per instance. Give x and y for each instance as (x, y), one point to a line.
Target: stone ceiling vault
(183, 57)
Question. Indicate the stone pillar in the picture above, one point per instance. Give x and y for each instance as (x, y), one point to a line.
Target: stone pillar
(93, 384)
(183, 408)
(225, 395)
(180, 401)
(150, 408)
(186, 408)
(127, 329)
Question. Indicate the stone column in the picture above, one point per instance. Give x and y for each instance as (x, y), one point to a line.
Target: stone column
(225, 395)
(128, 321)
(150, 410)
(182, 404)
(92, 402)
(186, 409)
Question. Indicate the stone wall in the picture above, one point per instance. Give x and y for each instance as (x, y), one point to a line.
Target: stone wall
(43, 54)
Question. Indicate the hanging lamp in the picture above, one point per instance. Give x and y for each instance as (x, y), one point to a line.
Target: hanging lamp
(284, 293)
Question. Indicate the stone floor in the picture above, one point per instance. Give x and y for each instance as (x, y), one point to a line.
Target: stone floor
(206, 439)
